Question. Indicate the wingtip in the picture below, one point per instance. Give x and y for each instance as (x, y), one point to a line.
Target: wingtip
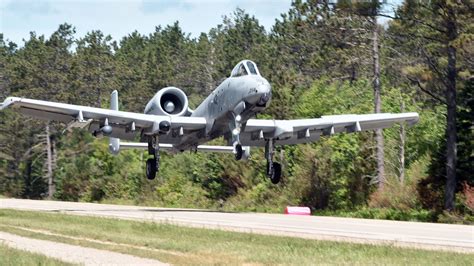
(8, 101)
(3, 105)
(416, 118)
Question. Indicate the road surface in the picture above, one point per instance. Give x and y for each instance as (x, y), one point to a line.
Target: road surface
(409, 234)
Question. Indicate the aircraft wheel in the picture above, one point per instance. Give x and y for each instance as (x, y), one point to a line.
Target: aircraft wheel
(150, 169)
(275, 175)
(239, 153)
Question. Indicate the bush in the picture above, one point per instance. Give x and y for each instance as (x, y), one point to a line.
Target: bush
(468, 197)
(385, 214)
(455, 218)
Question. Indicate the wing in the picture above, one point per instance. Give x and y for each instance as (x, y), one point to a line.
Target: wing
(124, 124)
(287, 132)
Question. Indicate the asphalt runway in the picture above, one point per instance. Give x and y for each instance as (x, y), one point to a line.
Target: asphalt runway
(406, 234)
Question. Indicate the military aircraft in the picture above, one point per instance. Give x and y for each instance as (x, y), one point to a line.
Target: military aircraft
(169, 124)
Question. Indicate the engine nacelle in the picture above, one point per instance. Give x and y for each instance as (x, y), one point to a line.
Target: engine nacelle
(168, 101)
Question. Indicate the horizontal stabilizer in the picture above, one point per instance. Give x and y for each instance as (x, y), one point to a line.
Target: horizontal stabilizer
(164, 146)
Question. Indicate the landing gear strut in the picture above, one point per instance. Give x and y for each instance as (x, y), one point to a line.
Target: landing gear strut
(273, 168)
(153, 164)
(235, 127)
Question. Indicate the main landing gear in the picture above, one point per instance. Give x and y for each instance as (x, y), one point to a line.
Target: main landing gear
(153, 164)
(273, 168)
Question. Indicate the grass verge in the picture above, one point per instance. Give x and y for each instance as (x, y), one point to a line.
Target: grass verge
(10, 256)
(183, 245)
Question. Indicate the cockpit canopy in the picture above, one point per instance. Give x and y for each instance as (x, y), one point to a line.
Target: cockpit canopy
(244, 68)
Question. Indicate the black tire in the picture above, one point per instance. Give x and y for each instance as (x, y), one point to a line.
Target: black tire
(240, 152)
(276, 174)
(150, 169)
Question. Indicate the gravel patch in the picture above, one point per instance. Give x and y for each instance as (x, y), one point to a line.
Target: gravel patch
(73, 254)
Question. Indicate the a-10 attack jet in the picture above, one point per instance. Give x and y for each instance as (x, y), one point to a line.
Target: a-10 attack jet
(169, 124)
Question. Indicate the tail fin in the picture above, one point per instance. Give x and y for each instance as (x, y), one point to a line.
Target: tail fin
(114, 143)
(114, 100)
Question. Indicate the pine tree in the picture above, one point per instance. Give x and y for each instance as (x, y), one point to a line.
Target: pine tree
(438, 31)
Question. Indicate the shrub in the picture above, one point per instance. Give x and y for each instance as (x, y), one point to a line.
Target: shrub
(455, 218)
(396, 195)
(468, 195)
(385, 214)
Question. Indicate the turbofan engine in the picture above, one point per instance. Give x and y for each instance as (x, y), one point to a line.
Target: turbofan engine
(168, 101)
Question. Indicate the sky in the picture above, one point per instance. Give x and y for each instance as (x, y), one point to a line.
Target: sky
(121, 17)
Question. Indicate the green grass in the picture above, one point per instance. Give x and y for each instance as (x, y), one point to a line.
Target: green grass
(11, 256)
(183, 245)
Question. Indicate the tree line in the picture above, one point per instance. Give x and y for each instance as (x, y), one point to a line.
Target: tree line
(321, 57)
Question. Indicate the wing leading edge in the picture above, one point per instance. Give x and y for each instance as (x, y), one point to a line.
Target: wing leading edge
(309, 130)
(124, 124)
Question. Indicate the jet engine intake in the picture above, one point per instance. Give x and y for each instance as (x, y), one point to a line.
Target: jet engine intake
(168, 101)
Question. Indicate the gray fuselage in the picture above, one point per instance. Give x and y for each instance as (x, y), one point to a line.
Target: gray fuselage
(243, 95)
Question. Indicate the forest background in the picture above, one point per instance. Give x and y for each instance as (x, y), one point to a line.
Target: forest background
(321, 58)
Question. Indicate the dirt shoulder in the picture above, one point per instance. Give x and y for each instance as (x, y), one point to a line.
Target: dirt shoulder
(71, 253)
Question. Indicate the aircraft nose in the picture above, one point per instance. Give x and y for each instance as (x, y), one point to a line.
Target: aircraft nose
(265, 92)
(264, 88)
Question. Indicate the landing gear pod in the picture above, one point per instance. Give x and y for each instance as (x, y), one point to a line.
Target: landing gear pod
(114, 145)
(106, 130)
(164, 127)
(160, 127)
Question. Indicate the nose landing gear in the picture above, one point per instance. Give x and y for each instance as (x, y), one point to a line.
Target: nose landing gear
(235, 128)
